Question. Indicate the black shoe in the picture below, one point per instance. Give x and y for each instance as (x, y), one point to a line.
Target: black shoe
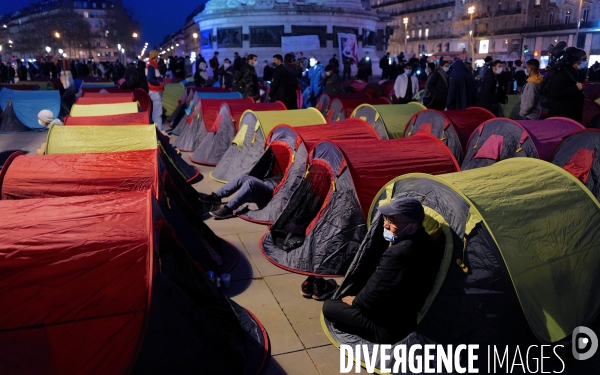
(211, 199)
(222, 213)
(308, 287)
(324, 289)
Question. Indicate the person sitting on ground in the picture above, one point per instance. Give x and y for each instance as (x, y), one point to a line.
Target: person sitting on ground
(47, 120)
(385, 310)
(530, 98)
(250, 190)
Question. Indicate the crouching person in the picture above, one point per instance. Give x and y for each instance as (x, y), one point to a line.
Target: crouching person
(385, 310)
(249, 190)
(46, 119)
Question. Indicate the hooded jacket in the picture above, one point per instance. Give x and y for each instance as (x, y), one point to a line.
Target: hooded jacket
(530, 98)
(462, 89)
(564, 98)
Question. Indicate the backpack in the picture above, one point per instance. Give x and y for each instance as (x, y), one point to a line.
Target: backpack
(544, 98)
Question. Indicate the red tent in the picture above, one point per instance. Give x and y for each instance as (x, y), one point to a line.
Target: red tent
(99, 284)
(502, 138)
(325, 99)
(48, 176)
(324, 221)
(288, 147)
(106, 99)
(224, 128)
(453, 127)
(125, 95)
(202, 117)
(98, 89)
(138, 118)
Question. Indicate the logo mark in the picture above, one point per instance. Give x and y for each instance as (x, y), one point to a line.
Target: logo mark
(589, 343)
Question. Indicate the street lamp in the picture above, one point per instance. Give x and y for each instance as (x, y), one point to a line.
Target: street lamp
(135, 35)
(405, 21)
(48, 49)
(57, 35)
(471, 10)
(578, 22)
(60, 51)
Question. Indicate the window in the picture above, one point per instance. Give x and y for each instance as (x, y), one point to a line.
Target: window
(538, 3)
(97, 44)
(103, 5)
(568, 17)
(86, 15)
(94, 5)
(463, 2)
(96, 24)
(536, 21)
(585, 14)
(518, 5)
(412, 34)
(420, 33)
(551, 18)
(426, 33)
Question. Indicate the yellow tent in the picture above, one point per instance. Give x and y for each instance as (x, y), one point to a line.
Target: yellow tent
(85, 110)
(87, 139)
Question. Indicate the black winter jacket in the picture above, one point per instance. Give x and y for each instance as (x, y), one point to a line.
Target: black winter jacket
(564, 98)
(397, 290)
(246, 82)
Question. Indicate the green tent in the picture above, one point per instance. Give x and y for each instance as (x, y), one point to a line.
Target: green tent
(388, 120)
(512, 108)
(170, 98)
(521, 261)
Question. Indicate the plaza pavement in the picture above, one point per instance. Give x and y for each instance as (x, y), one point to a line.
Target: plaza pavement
(298, 343)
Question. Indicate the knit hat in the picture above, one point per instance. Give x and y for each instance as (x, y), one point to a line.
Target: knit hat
(46, 116)
(407, 206)
(153, 54)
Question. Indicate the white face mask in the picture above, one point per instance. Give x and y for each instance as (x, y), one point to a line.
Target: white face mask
(226, 66)
(583, 65)
(446, 69)
(498, 70)
(408, 72)
(327, 74)
(527, 72)
(255, 62)
(313, 62)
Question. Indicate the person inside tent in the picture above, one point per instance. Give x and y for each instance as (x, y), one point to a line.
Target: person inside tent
(385, 310)
(250, 190)
(47, 120)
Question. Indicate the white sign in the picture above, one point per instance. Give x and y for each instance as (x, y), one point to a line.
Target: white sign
(484, 46)
(300, 43)
(348, 46)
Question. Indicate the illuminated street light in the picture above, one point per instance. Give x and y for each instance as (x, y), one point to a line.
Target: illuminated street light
(195, 35)
(471, 10)
(135, 35)
(60, 50)
(64, 55)
(57, 34)
(177, 44)
(405, 21)
(48, 49)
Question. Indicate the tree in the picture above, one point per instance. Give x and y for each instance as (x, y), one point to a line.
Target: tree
(121, 25)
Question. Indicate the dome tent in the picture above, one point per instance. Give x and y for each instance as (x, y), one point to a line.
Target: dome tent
(502, 138)
(138, 118)
(453, 127)
(249, 142)
(115, 294)
(65, 175)
(82, 110)
(342, 108)
(322, 225)
(222, 131)
(204, 113)
(388, 120)
(22, 107)
(287, 153)
(579, 155)
(531, 262)
(325, 99)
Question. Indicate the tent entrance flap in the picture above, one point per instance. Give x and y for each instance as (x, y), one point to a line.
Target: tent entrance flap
(290, 229)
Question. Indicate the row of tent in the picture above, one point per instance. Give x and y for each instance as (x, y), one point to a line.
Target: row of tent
(510, 232)
(111, 272)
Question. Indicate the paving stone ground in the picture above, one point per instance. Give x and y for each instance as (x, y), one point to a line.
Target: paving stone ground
(298, 343)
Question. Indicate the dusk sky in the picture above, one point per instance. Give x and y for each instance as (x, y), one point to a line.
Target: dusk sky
(158, 17)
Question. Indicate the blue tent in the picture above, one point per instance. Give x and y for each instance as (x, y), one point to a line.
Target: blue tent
(27, 104)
